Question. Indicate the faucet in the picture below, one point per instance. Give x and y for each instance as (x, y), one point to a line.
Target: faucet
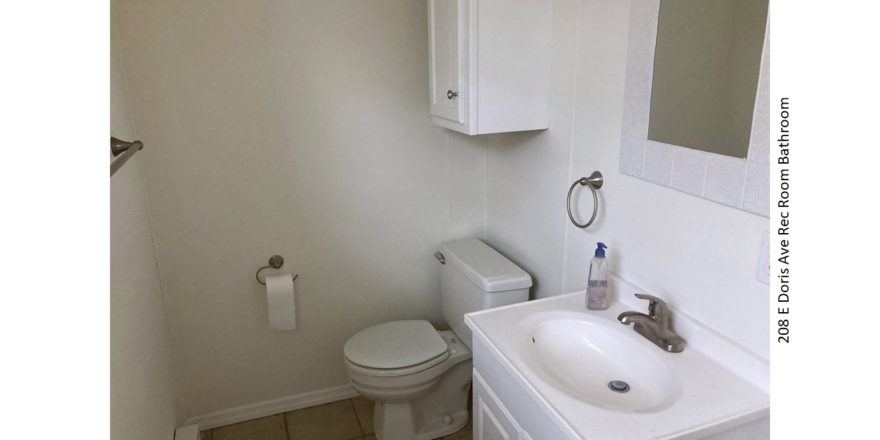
(655, 325)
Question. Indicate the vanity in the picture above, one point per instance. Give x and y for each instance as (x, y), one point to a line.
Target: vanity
(551, 369)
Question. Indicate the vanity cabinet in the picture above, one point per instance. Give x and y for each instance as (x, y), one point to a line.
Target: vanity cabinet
(501, 409)
(492, 421)
(489, 67)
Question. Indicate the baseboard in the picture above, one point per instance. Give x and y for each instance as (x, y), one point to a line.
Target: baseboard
(271, 407)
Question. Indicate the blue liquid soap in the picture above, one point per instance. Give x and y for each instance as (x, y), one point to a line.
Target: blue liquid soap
(597, 287)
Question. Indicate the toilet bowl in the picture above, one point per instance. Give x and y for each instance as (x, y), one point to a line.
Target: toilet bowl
(424, 400)
(419, 377)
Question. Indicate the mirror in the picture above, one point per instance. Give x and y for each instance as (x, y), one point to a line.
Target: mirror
(696, 104)
(707, 61)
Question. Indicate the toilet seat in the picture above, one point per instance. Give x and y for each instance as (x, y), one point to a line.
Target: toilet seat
(396, 348)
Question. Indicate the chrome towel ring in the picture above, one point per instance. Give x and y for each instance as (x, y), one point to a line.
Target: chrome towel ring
(593, 182)
(275, 262)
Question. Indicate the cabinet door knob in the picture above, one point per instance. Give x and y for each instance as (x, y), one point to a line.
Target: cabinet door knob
(450, 94)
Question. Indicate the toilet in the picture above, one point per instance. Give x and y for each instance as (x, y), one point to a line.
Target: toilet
(419, 376)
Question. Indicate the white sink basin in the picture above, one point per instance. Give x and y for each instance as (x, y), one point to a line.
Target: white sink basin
(564, 356)
(581, 357)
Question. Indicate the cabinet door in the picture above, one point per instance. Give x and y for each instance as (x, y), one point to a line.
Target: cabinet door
(445, 50)
(491, 419)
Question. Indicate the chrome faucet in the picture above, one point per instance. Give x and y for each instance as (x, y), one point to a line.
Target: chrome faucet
(655, 325)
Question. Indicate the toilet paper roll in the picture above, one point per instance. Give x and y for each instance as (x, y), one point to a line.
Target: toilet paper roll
(280, 300)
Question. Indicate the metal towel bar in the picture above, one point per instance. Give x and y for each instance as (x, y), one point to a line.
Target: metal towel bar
(126, 149)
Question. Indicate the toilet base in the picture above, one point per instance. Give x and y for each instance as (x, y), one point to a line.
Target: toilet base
(443, 410)
(394, 421)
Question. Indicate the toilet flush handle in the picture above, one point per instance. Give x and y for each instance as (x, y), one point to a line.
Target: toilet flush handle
(440, 257)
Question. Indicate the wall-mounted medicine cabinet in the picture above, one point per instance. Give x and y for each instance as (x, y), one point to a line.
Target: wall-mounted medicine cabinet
(489, 65)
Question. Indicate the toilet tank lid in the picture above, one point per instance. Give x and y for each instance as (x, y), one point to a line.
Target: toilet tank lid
(484, 266)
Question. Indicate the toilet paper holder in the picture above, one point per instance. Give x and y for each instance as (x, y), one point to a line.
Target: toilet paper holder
(275, 262)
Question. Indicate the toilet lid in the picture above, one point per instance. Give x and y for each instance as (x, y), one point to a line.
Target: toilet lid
(395, 344)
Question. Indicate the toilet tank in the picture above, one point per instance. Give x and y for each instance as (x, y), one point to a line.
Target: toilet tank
(477, 277)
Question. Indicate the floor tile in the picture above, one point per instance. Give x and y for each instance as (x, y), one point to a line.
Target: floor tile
(364, 409)
(331, 421)
(266, 428)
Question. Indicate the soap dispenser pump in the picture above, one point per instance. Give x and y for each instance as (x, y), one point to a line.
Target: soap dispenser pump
(597, 287)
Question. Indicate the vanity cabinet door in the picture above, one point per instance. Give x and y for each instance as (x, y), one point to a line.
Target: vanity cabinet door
(491, 420)
(445, 47)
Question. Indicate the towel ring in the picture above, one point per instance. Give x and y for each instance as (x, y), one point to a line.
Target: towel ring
(593, 182)
(275, 262)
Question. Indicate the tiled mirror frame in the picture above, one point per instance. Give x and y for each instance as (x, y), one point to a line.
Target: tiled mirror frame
(739, 183)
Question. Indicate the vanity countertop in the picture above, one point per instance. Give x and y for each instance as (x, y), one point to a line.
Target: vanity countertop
(713, 385)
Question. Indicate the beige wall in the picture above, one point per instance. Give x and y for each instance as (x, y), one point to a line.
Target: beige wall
(297, 128)
(144, 403)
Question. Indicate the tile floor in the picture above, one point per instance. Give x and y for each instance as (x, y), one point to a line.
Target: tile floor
(350, 419)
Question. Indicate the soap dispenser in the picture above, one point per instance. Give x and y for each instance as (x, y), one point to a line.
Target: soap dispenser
(597, 287)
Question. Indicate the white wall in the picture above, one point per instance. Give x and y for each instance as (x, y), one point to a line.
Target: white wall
(526, 170)
(297, 128)
(698, 255)
(143, 394)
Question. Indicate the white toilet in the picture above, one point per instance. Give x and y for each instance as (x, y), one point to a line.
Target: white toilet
(417, 375)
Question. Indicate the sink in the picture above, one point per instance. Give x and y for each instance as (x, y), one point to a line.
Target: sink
(582, 356)
(555, 353)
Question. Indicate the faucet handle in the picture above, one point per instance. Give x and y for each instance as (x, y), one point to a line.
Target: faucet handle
(656, 306)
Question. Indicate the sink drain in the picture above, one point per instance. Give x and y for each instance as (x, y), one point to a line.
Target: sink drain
(618, 386)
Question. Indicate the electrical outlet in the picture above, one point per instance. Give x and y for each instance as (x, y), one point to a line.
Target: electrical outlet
(762, 273)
